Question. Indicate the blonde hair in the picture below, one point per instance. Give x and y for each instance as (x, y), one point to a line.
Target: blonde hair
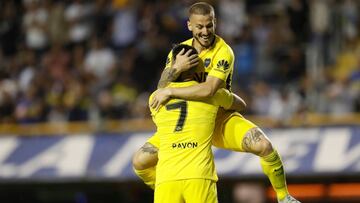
(201, 8)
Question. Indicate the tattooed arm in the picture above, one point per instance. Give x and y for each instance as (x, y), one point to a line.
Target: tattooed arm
(145, 157)
(167, 76)
(149, 148)
(182, 62)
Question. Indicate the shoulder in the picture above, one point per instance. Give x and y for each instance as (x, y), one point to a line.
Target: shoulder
(225, 47)
(187, 42)
(222, 47)
(150, 98)
(224, 51)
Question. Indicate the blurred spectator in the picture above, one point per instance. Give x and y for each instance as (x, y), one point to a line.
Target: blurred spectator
(245, 58)
(284, 105)
(172, 18)
(320, 14)
(263, 97)
(140, 109)
(350, 14)
(58, 27)
(290, 65)
(98, 59)
(232, 18)
(124, 17)
(77, 16)
(30, 107)
(338, 98)
(76, 100)
(320, 18)
(35, 25)
(8, 92)
(298, 11)
(102, 18)
(56, 62)
(9, 28)
(261, 29)
(27, 74)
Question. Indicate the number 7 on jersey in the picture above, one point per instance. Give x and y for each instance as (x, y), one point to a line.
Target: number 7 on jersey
(182, 105)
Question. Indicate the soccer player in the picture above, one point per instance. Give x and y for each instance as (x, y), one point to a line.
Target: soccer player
(232, 130)
(185, 170)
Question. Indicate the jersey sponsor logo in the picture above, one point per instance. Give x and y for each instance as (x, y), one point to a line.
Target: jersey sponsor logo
(207, 62)
(223, 65)
(200, 76)
(184, 145)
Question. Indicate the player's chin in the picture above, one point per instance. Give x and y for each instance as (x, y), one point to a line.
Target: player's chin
(205, 43)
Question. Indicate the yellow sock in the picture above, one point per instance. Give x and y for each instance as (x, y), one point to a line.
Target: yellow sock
(272, 167)
(147, 175)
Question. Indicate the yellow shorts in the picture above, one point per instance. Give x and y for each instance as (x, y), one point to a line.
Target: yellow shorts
(189, 191)
(230, 129)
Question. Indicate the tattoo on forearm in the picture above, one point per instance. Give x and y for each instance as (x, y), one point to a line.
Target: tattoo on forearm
(167, 76)
(251, 138)
(149, 148)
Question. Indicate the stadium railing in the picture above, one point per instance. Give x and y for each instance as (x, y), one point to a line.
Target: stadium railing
(141, 125)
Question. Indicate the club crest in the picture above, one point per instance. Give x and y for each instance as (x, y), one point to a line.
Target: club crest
(207, 62)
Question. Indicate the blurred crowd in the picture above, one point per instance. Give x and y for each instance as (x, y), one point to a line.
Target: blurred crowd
(63, 60)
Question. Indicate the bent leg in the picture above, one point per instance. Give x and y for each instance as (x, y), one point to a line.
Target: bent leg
(144, 164)
(255, 141)
(145, 157)
(239, 134)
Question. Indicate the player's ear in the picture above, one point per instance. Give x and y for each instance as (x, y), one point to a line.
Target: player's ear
(189, 25)
(214, 23)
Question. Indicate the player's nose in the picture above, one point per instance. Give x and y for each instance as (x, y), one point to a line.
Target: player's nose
(204, 31)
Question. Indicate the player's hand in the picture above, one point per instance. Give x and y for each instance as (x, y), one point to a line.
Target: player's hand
(184, 61)
(161, 96)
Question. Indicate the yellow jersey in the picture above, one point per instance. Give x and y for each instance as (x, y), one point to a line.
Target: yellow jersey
(185, 130)
(217, 61)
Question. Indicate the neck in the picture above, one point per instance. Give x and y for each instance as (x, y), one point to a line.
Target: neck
(199, 48)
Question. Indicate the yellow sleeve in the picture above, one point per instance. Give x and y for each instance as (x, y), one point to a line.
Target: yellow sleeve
(168, 60)
(223, 98)
(151, 109)
(223, 63)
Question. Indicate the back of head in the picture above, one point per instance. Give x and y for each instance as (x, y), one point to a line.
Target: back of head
(201, 8)
(186, 75)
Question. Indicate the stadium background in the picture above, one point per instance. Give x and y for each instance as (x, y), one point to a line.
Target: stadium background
(75, 77)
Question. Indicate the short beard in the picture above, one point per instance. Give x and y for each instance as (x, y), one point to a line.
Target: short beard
(212, 41)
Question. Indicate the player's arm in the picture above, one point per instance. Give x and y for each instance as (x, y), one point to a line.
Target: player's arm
(228, 100)
(199, 92)
(223, 64)
(238, 103)
(184, 61)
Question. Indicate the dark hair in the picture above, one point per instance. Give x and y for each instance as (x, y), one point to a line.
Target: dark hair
(178, 47)
(175, 51)
(201, 8)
